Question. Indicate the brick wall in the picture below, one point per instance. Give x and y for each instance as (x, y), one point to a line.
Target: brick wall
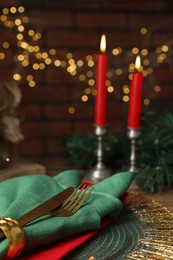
(76, 27)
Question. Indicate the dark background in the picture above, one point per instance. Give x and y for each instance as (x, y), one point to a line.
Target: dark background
(75, 27)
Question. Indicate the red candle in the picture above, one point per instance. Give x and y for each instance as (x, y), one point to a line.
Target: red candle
(135, 102)
(101, 91)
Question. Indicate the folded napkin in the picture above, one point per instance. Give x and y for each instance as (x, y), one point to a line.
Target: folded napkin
(21, 194)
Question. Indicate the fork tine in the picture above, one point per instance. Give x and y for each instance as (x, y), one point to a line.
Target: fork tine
(74, 194)
(75, 204)
(85, 196)
(75, 199)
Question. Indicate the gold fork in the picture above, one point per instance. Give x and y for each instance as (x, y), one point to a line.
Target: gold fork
(74, 202)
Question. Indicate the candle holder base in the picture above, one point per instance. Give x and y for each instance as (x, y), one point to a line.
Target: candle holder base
(98, 173)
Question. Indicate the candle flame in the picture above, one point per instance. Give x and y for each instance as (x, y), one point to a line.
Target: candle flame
(103, 43)
(138, 63)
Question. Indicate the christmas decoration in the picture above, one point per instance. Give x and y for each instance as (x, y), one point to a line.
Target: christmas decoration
(156, 143)
(153, 158)
(81, 150)
(10, 132)
(155, 154)
(30, 56)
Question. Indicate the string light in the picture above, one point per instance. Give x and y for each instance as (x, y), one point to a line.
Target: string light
(71, 110)
(157, 88)
(125, 98)
(84, 98)
(135, 50)
(126, 89)
(83, 69)
(146, 101)
(5, 11)
(32, 83)
(2, 55)
(143, 30)
(57, 63)
(13, 10)
(87, 91)
(110, 89)
(144, 52)
(17, 77)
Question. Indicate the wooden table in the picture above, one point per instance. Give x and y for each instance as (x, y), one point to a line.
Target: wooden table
(165, 198)
(21, 167)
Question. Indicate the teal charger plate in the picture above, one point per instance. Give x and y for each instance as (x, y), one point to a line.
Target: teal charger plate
(143, 230)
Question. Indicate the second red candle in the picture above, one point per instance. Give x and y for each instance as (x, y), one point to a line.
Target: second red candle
(135, 102)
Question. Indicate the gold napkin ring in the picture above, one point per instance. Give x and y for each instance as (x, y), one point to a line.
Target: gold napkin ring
(14, 234)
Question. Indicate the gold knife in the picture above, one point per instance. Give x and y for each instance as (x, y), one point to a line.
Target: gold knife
(48, 205)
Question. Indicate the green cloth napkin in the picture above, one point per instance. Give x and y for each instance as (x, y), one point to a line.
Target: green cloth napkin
(21, 194)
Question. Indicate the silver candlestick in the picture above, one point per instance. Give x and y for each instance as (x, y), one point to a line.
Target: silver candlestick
(133, 135)
(100, 171)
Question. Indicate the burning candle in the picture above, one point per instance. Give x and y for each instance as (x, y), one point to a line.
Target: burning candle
(101, 92)
(135, 102)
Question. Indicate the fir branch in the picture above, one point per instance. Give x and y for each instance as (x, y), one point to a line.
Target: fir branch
(155, 156)
(81, 150)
